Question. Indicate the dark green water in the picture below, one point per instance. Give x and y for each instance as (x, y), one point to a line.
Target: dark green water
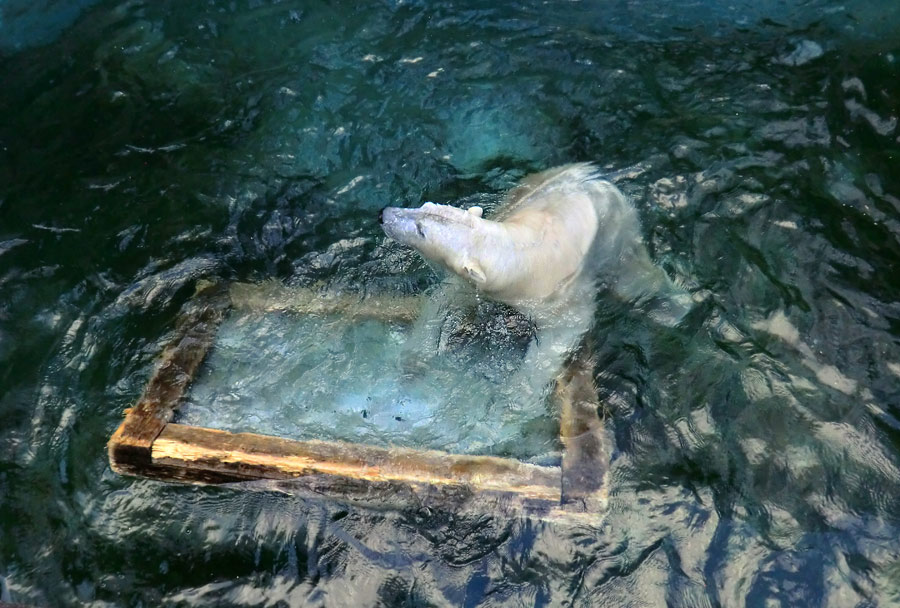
(145, 146)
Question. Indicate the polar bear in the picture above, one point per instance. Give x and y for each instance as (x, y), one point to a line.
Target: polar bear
(557, 238)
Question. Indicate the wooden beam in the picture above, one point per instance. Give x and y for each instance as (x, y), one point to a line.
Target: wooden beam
(335, 464)
(129, 447)
(586, 444)
(147, 444)
(273, 296)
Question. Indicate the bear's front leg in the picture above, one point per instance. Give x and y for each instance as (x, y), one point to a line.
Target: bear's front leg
(558, 335)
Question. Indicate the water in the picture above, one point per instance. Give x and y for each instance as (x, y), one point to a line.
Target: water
(147, 146)
(327, 377)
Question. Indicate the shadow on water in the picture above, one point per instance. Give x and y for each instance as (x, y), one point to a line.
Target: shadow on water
(147, 146)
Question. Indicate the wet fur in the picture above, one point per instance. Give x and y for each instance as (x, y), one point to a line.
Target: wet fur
(543, 252)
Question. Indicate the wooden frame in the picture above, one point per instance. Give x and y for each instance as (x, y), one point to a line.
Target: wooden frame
(149, 444)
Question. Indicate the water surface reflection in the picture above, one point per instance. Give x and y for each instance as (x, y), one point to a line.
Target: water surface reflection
(152, 145)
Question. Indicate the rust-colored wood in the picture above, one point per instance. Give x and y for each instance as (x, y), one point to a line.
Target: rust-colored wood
(129, 447)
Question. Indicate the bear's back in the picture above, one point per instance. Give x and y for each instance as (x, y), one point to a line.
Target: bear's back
(539, 189)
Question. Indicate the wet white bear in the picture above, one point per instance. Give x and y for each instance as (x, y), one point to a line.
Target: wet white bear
(557, 236)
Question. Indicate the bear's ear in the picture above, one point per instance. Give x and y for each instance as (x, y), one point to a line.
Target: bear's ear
(474, 272)
(476, 211)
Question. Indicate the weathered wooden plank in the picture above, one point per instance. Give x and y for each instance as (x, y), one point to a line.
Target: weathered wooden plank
(251, 456)
(129, 447)
(148, 445)
(586, 444)
(273, 296)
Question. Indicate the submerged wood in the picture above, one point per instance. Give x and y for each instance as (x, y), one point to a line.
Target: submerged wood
(586, 443)
(273, 296)
(129, 447)
(147, 444)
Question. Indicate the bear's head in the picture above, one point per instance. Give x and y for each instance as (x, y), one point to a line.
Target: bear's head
(448, 236)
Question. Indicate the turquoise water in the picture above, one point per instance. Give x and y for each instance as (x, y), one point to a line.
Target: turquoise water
(328, 377)
(147, 146)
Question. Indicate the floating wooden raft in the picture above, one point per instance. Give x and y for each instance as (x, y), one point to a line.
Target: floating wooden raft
(149, 444)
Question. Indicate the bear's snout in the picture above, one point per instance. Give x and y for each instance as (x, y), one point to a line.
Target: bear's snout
(399, 224)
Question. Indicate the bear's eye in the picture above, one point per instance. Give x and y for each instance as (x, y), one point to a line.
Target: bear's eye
(420, 230)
